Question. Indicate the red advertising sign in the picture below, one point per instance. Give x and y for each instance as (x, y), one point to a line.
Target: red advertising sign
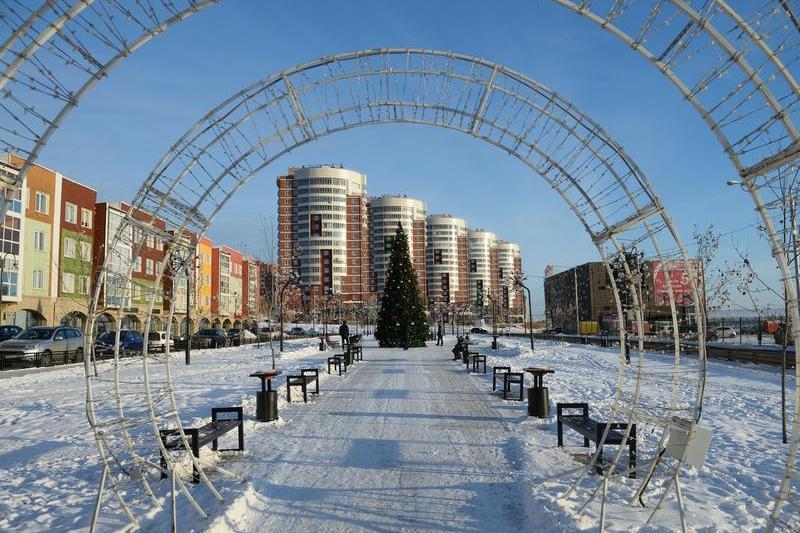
(679, 278)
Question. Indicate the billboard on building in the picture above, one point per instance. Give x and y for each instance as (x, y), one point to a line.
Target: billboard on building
(680, 278)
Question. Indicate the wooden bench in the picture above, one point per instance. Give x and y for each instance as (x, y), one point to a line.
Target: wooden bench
(476, 359)
(498, 370)
(357, 352)
(306, 376)
(514, 378)
(592, 430)
(201, 436)
(338, 362)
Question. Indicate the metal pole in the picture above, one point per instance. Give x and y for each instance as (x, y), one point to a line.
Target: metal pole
(2, 268)
(530, 314)
(188, 355)
(577, 315)
(281, 315)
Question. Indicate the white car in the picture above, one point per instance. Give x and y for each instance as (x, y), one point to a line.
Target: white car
(722, 332)
(42, 345)
(157, 341)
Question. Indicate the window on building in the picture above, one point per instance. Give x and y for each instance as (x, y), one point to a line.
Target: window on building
(315, 226)
(69, 247)
(42, 203)
(71, 213)
(68, 282)
(437, 257)
(150, 267)
(86, 218)
(137, 292)
(86, 251)
(84, 285)
(151, 241)
(38, 279)
(38, 241)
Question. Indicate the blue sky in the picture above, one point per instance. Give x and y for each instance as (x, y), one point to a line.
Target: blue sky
(119, 132)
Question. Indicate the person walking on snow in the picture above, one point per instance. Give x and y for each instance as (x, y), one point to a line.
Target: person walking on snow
(439, 335)
(344, 332)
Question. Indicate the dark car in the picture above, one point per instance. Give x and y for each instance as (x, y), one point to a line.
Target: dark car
(209, 338)
(479, 330)
(554, 330)
(9, 332)
(129, 341)
(235, 336)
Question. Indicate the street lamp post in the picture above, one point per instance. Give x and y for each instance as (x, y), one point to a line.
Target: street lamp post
(291, 280)
(181, 263)
(519, 279)
(2, 273)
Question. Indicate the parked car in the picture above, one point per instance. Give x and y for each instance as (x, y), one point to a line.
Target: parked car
(297, 331)
(312, 333)
(157, 341)
(234, 336)
(129, 341)
(554, 330)
(479, 330)
(722, 332)
(209, 338)
(9, 332)
(40, 343)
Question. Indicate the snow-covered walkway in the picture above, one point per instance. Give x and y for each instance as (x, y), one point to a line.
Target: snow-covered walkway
(406, 441)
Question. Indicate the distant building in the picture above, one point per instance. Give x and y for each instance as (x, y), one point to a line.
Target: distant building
(481, 249)
(447, 259)
(507, 262)
(323, 233)
(589, 286)
(385, 212)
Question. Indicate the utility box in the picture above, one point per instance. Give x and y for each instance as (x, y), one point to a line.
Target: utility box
(692, 449)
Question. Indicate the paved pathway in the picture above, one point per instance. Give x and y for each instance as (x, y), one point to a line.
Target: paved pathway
(405, 441)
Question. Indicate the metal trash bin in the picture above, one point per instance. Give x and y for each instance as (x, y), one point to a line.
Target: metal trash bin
(267, 406)
(538, 402)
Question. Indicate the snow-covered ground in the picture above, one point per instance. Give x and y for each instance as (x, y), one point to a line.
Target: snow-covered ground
(406, 440)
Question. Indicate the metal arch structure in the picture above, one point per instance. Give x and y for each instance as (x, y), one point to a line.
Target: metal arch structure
(738, 64)
(54, 53)
(596, 178)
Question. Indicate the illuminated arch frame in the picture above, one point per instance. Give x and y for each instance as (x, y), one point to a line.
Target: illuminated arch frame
(242, 136)
(738, 68)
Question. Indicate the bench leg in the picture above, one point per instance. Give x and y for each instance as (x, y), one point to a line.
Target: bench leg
(329, 366)
(305, 393)
(241, 436)
(632, 452)
(163, 465)
(288, 391)
(494, 382)
(196, 453)
(560, 431)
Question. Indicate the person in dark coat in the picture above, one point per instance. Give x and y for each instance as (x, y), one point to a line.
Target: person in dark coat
(439, 335)
(344, 333)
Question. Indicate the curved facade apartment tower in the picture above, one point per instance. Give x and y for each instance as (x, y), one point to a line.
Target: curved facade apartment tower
(384, 214)
(447, 258)
(508, 260)
(323, 231)
(481, 247)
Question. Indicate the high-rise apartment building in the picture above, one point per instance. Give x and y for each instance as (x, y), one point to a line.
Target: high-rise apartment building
(508, 261)
(481, 248)
(323, 232)
(447, 257)
(385, 212)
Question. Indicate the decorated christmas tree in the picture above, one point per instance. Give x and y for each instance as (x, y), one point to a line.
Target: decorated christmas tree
(402, 317)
